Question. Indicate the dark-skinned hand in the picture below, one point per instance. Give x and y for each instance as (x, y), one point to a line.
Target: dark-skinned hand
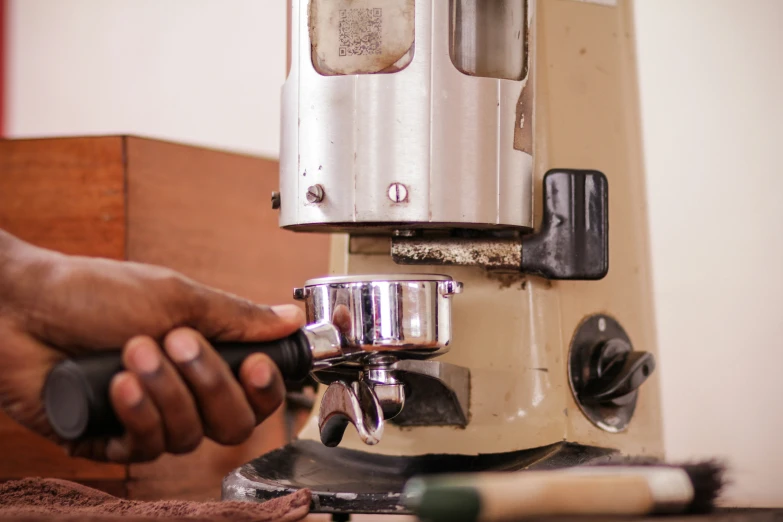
(175, 389)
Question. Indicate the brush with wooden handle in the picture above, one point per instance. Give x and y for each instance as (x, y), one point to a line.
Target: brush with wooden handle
(590, 490)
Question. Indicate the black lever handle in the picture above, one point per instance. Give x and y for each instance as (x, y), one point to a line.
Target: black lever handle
(626, 372)
(573, 241)
(76, 391)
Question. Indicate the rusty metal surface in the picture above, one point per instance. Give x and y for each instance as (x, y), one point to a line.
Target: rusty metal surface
(490, 253)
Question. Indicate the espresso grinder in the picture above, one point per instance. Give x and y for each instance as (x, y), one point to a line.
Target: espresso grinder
(478, 164)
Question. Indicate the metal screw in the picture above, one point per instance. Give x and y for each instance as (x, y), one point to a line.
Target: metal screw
(450, 288)
(405, 232)
(275, 200)
(398, 192)
(315, 194)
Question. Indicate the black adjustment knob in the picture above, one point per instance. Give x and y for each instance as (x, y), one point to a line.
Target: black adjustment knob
(606, 373)
(616, 372)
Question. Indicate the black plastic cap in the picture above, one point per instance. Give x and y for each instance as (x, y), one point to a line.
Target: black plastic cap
(67, 400)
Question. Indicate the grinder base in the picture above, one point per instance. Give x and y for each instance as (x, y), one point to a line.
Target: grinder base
(349, 481)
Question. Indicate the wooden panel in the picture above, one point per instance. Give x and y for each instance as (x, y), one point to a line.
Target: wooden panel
(66, 195)
(208, 214)
(25, 454)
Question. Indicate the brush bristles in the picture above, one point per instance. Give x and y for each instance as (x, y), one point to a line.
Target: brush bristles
(707, 478)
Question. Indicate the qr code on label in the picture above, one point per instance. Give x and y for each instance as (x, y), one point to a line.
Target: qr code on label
(360, 31)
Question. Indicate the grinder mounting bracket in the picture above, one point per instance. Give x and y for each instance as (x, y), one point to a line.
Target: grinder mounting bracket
(572, 243)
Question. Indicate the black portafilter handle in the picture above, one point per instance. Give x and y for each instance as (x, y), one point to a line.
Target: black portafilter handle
(76, 391)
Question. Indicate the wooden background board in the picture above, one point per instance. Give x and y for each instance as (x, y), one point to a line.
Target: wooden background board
(66, 195)
(203, 212)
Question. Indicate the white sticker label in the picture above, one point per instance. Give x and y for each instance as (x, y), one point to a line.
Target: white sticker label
(361, 36)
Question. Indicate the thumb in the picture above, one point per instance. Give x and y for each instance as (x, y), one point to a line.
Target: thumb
(25, 364)
(221, 316)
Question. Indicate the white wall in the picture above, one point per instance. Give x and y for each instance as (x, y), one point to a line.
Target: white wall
(711, 75)
(209, 72)
(199, 71)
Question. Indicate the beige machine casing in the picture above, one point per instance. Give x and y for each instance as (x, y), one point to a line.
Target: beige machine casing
(514, 334)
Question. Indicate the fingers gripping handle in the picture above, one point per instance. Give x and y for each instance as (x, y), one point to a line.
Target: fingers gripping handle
(76, 392)
(292, 355)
